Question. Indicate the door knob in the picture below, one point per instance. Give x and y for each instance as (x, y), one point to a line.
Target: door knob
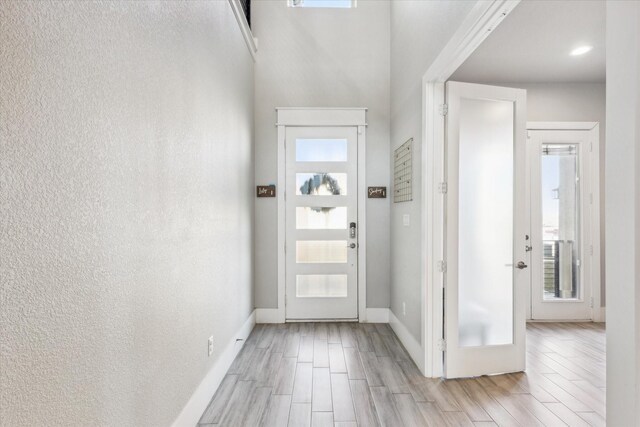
(352, 246)
(521, 265)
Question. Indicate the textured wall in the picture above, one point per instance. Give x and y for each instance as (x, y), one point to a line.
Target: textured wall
(419, 31)
(322, 58)
(126, 174)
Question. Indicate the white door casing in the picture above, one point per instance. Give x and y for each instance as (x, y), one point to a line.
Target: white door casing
(485, 291)
(321, 223)
(579, 147)
(318, 117)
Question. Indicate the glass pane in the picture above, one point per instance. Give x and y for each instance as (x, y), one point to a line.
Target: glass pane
(321, 218)
(560, 221)
(321, 286)
(343, 4)
(485, 240)
(321, 184)
(321, 150)
(321, 251)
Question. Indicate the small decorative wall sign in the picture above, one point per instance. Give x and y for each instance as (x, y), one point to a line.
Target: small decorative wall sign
(266, 191)
(377, 192)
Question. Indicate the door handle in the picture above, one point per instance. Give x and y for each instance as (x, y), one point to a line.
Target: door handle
(521, 265)
(352, 246)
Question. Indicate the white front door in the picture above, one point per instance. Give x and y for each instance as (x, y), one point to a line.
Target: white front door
(560, 224)
(486, 278)
(321, 223)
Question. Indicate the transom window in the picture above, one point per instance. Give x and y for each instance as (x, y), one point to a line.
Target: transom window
(343, 4)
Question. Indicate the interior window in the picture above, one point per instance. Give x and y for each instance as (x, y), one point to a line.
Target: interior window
(345, 4)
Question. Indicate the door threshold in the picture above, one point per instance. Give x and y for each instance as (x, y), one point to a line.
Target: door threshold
(559, 321)
(320, 320)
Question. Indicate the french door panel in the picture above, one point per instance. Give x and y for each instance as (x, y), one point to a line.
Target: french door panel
(560, 224)
(321, 223)
(486, 278)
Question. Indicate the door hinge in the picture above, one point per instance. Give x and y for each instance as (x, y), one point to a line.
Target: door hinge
(442, 266)
(442, 344)
(444, 109)
(443, 187)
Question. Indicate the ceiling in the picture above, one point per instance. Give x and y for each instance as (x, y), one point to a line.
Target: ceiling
(533, 43)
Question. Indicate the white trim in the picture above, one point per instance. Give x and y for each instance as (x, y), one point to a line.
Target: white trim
(195, 407)
(292, 116)
(559, 321)
(483, 18)
(377, 315)
(268, 315)
(244, 28)
(412, 345)
(321, 116)
(282, 179)
(561, 125)
(362, 223)
(481, 21)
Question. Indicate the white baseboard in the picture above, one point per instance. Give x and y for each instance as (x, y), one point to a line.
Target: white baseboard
(273, 315)
(412, 345)
(269, 315)
(198, 402)
(376, 315)
(600, 315)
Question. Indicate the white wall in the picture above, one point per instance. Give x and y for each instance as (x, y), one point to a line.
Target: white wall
(623, 213)
(419, 31)
(322, 58)
(126, 203)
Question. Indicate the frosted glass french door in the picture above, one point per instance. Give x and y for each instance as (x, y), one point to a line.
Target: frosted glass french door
(486, 278)
(321, 223)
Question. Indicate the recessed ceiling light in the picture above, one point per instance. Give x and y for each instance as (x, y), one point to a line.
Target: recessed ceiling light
(581, 50)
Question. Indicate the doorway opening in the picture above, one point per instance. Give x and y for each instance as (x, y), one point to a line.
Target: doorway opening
(508, 47)
(563, 161)
(321, 230)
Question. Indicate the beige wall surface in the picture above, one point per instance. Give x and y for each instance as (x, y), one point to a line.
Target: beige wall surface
(126, 205)
(419, 31)
(623, 213)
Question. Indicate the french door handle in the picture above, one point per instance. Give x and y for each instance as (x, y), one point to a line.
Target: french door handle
(521, 265)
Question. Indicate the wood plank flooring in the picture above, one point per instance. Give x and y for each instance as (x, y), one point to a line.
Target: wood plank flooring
(354, 374)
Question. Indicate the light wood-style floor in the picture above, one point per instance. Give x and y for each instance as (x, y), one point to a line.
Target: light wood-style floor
(351, 374)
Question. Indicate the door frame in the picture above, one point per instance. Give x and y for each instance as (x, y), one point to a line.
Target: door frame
(484, 17)
(597, 312)
(319, 117)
